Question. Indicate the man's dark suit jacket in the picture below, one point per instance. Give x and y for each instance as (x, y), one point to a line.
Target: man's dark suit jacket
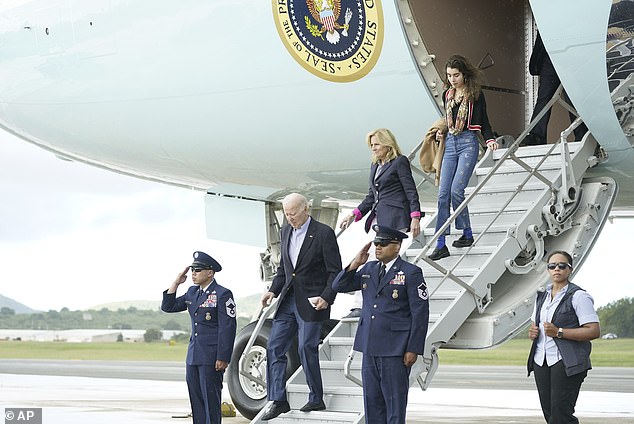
(317, 265)
(392, 196)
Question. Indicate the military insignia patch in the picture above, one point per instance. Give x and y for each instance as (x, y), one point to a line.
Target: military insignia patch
(231, 308)
(422, 291)
(337, 40)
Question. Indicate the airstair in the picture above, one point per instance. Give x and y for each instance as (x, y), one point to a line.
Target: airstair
(523, 203)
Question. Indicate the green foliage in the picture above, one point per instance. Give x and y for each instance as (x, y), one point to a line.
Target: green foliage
(173, 325)
(6, 311)
(122, 319)
(605, 353)
(314, 29)
(618, 317)
(181, 338)
(152, 335)
(93, 351)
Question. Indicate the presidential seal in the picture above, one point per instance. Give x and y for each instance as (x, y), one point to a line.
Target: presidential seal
(337, 40)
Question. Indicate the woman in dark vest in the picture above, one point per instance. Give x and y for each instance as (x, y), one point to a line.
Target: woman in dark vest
(564, 322)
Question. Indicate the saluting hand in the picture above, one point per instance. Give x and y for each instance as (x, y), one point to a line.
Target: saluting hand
(361, 258)
(180, 279)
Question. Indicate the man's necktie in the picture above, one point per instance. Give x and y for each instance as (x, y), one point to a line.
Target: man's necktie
(382, 271)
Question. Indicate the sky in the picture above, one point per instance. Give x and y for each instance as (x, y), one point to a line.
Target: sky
(76, 236)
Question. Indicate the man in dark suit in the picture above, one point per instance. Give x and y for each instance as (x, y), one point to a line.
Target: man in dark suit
(541, 65)
(213, 314)
(393, 325)
(310, 260)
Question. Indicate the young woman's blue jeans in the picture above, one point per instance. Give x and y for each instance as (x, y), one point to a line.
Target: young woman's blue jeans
(458, 162)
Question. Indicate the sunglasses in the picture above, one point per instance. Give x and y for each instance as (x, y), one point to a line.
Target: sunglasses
(384, 243)
(559, 265)
(198, 269)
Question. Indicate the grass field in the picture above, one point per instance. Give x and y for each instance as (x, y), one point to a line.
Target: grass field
(605, 353)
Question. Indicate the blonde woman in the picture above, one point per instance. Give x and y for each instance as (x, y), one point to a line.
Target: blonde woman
(392, 199)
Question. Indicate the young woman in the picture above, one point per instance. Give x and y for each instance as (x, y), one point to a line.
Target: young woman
(466, 115)
(564, 322)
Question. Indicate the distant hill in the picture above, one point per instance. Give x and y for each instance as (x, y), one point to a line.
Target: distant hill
(139, 315)
(18, 307)
(246, 305)
(143, 305)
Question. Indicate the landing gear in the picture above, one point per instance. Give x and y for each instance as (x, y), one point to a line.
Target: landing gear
(249, 394)
(248, 389)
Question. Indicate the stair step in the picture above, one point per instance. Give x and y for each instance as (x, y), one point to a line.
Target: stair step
(477, 229)
(341, 341)
(338, 365)
(533, 185)
(332, 372)
(316, 417)
(441, 295)
(462, 272)
(475, 250)
(337, 399)
(538, 151)
(495, 201)
(340, 347)
(485, 208)
(547, 169)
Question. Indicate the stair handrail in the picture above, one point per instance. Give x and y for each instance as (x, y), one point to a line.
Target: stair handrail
(263, 314)
(346, 368)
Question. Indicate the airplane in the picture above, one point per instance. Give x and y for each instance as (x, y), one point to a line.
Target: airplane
(248, 101)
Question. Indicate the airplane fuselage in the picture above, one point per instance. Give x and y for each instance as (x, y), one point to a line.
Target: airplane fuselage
(210, 94)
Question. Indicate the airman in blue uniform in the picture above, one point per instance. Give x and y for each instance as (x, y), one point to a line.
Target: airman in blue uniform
(213, 315)
(393, 323)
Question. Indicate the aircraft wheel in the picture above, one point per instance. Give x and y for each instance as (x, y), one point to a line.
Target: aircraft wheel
(248, 396)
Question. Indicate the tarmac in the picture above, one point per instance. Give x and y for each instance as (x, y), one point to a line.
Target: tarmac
(71, 399)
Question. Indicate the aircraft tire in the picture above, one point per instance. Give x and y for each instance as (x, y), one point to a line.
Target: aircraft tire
(247, 396)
